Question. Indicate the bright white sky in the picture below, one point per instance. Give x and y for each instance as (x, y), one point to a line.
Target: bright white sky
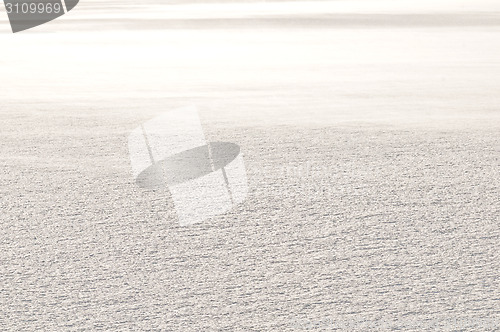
(392, 72)
(100, 9)
(110, 9)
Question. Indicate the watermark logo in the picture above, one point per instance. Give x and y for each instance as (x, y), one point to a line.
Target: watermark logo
(26, 14)
(205, 179)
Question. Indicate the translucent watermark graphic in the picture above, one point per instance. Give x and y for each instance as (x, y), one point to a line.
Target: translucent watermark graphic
(26, 14)
(309, 170)
(310, 177)
(204, 178)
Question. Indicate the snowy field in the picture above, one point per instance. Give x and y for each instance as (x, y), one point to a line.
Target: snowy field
(371, 141)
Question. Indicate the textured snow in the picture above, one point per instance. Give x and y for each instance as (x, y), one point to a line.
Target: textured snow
(372, 156)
